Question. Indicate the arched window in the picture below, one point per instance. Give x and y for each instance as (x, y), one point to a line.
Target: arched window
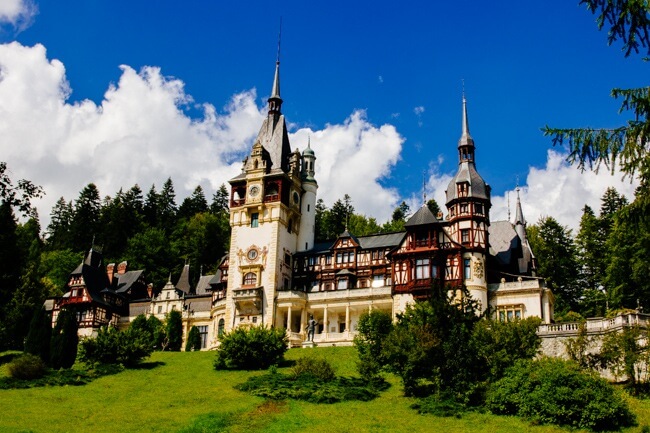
(250, 279)
(220, 329)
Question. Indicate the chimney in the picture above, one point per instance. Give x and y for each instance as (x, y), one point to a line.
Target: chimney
(121, 268)
(110, 272)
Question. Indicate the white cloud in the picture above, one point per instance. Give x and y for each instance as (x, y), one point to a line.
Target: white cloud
(558, 190)
(418, 113)
(352, 158)
(17, 13)
(140, 134)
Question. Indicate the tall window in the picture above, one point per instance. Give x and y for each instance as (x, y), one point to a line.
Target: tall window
(221, 328)
(203, 333)
(422, 269)
(250, 279)
(464, 236)
(255, 220)
(467, 269)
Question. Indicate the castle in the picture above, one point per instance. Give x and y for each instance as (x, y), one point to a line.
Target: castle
(276, 275)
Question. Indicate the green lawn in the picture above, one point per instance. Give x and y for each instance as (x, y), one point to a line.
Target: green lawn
(183, 393)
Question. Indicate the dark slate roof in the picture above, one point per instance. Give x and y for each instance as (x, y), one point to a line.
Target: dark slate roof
(503, 240)
(347, 234)
(422, 217)
(126, 280)
(203, 285)
(183, 283)
(467, 173)
(382, 241)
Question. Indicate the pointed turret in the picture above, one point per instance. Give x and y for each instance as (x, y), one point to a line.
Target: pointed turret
(183, 283)
(275, 101)
(466, 142)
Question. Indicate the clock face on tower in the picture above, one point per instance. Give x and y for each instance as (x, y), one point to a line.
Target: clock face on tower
(296, 198)
(254, 191)
(252, 254)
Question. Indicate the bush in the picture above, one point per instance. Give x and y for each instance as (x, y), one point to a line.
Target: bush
(64, 341)
(253, 348)
(318, 368)
(27, 367)
(193, 340)
(111, 346)
(554, 391)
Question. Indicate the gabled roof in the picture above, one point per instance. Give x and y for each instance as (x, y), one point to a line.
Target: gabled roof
(423, 216)
(125, 281)
(388, 240)
(183, 283)
(203, 285)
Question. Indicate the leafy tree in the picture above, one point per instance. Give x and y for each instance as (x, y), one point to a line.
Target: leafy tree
(360, 225)
(174, 330)
(556, 255)
(152, 250)
(401, 212)
(39, 335)
(193, 340)
(63, 345)
(430, 346)
(157, 329)
(55, 267)
(500, 344)
(373, 328)
(18, 196)
(625, 353)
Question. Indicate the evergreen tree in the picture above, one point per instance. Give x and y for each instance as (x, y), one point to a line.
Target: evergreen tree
(339, 217)
(556, 255)
(196, 203)
(39, 335)
(55, 267)
(85, 218)
(174, 330)
(220, 201)
(151, 208)
(63, 346)
(154, 251)
(58, 231)
(321, 220)
(167, 207)
(193, 340)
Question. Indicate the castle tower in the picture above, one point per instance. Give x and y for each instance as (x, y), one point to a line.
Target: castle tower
(468, 205)
(307, 231)
(267, 202)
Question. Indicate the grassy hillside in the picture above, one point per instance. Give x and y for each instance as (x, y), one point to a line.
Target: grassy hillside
(180, 392)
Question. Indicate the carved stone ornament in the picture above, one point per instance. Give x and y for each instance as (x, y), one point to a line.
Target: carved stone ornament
(478, 269)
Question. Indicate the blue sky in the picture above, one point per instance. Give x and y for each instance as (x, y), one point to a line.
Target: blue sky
(377, 85)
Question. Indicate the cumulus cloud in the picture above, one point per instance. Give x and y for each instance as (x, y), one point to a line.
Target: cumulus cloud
(558, 190)
(352, 158)
(139, 133)
(17, 13)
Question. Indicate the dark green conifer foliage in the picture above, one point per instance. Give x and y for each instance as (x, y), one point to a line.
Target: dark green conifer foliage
(63, 346)
(174, 330)
(39, 335)
(193, 340)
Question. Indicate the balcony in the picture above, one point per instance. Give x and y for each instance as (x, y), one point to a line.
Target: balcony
(248, 300)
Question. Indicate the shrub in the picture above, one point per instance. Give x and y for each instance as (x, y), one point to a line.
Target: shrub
(193, 340)
(374, 327)
(252, 348)
(554, 391)
(174, 330)
(111, 346)
(27, 367)
(319, 368)
(64, 341)
(157, 329)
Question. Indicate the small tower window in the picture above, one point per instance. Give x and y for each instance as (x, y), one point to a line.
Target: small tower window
(250, 279)
(464, 236)
(467, 269)
(255, 220)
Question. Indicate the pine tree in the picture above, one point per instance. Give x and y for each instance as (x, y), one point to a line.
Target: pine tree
(220, 201)
(196, 203)
(174, 330)
(193, 340)
(58, 231)
(167, 207)
(151, 207)
(85, 219)
(433, 207)
(63, 346)
(39, 335)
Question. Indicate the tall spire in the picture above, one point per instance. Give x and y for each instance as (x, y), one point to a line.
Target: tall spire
(275, 101)
(466, 142)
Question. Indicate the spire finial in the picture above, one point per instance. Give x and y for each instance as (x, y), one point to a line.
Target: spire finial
(465, 119)
(275, 102)
(508, 195)
(424, 188)
(308, 141)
